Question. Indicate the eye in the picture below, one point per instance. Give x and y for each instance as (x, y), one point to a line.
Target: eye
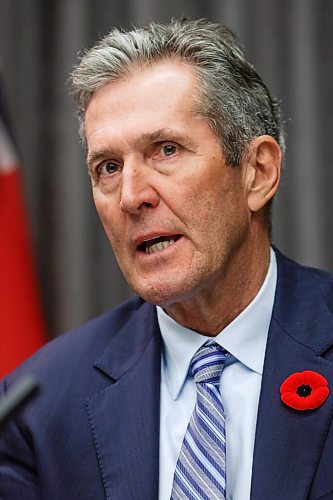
(107, 168)
(169, 149)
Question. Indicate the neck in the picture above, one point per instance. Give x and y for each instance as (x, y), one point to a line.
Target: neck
(210, 310)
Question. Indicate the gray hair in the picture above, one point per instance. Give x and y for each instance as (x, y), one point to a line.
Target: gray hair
(234, 100)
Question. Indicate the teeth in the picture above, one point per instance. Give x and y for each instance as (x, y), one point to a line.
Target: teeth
(157, 247)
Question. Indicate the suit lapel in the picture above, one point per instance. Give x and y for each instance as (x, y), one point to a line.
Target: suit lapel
(124, 417)
(288, 442)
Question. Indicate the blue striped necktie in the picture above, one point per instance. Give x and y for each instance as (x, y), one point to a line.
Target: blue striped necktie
(200, 470)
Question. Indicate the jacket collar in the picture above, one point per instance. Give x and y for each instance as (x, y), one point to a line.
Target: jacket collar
(124, 417)
(288, 443)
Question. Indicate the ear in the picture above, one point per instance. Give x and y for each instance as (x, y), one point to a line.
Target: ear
(262, 171)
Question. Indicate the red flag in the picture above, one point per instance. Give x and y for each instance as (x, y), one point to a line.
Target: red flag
(21, 324)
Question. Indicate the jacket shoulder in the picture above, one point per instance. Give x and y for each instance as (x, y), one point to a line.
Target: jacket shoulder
(83, 344)
(304, 278)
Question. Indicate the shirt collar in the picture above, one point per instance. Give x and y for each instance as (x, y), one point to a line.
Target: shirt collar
(244, 338)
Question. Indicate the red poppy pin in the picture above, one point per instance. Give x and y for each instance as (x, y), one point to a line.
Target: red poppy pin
(304, 390)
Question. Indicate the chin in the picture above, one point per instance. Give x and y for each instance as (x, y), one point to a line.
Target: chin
(166, 294)
(158, 296)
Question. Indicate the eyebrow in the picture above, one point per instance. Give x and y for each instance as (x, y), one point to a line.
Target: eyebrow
(96, 156)
(162, 134)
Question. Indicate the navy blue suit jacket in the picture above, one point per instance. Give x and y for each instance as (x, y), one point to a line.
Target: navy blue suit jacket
(92, 432)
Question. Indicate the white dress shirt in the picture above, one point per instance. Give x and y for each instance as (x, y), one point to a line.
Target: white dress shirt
(245, 339)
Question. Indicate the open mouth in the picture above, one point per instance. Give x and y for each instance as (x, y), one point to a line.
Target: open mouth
(157, 244)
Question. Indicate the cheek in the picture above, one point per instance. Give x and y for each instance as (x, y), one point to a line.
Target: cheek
(223, 214)
(110, 217)
(189, 198)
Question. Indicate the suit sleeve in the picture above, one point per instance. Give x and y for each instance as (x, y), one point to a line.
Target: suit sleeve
(18, 477)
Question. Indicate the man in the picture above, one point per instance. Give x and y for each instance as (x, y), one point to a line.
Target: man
(184, 147)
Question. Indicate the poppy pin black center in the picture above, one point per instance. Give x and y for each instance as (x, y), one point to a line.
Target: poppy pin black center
(304, 390)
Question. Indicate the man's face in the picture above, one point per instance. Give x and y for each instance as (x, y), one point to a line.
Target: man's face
(175, 213)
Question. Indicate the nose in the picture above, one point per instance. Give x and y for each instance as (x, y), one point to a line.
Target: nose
(137, 190)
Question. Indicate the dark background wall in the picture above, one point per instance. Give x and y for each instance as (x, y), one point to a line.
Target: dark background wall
(290, 42)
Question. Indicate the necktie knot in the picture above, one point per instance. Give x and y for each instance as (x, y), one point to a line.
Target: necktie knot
(208, 362)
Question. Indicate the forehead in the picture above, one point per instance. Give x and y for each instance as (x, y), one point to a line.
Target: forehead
(173, 73)
(155, 97)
